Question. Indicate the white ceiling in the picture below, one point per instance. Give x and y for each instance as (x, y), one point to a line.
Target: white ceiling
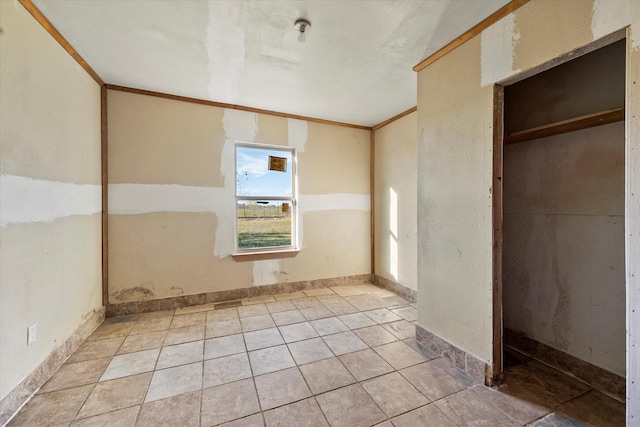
(355, 66)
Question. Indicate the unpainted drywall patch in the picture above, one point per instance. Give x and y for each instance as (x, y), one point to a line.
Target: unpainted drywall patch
(335, 202)
(497, 45)
(27, 200)
(265, 272)
(610, 16)
(131, 199)
(634, 36)
(298, 134)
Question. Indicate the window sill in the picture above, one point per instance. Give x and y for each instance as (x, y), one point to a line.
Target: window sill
(256, 256)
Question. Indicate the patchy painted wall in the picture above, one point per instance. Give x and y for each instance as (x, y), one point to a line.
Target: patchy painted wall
(396, 201)
(50, 196)
(455, 113)
(172, 205)
(563, 263)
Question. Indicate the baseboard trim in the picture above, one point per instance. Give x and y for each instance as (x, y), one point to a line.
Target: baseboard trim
(17, 397)
(405, 292)
(476, 368)
(172, 303)
(598, 378)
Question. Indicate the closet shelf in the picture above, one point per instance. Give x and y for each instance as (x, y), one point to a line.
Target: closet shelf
(570, 125)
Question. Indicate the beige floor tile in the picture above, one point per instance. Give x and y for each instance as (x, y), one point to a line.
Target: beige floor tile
(256, 323)
(596, 409)
(121, 418)
(111, 330)
(394, 394)
(141, 342)
(342, 308)
(377, 291)
(222, 328)
(345, 291)
(454, 371)
(407, 313)
(287, 317)
(318, 292)
(226, 369)
(356, 320)
(186, 334)
(188, 320)
(270, 359)
(195, 309)
(350, 407)
(366, 302)
(401, 329)
(224, 314)
(297, 332)
(182, 410)
(52, 408)
(174, 381)
(425, 416)
(382, 315)
(151, 325)
(308, 351)
(263, 338)
(76, 374)
(330, 299)
(344, 342)
(314, 313)
(116, 394)
(289, 296)
(224, 346)
(228, 402)
(396, 301)
(279, 306)
(250, 421)
(399, 355)
(90, 350)
(131, 364)
(467, 408)
(326, 375)
(305, 413)
(384, 424)
(519, 409)
(258, 300)
(556, 419)
(375, 335)
(252, 310)
(328, 326)
(282, 387)
(181, 354)
(365, 364)
(306, 302)
(156, 314)
(432, 381)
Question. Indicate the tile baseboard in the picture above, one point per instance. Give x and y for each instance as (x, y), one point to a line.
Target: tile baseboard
(598, 378)
(476, 368)
(17, 397)
(172, 303)
(405, 292)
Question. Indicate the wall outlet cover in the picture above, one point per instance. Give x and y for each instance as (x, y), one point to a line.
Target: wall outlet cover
(31, 334)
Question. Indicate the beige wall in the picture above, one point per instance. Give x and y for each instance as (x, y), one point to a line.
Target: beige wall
(50, 230)
(455, 113)
(171, 198)
(396, 201)
(563, 263)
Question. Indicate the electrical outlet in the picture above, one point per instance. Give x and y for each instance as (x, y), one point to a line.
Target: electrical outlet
(31, 334)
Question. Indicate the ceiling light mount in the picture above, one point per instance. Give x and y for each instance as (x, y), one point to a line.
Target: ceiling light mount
(302, 25)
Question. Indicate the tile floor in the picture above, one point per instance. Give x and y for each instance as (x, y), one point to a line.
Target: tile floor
(342, 356)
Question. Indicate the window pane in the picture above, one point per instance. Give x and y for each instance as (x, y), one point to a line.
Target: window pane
(255, 178)
(263, 223)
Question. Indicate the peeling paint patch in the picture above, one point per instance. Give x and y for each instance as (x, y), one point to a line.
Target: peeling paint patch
(131, 199)
(497, 50)
(298, 134)
(26, 200)
(265, 272)
(335, 201)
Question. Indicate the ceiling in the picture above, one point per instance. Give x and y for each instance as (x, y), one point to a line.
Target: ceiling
(355, 65)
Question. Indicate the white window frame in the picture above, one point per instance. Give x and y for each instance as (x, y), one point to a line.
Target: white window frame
(293, 199)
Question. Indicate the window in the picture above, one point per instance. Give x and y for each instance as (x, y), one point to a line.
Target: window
(265, 198)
